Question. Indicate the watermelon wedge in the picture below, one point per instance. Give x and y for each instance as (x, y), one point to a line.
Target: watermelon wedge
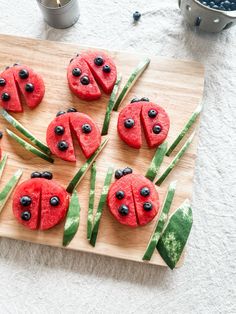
(20, 79)
(59, 135)
(133, 200)
(40, 204)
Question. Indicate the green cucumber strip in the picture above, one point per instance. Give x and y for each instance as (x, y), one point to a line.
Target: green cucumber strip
(110, 106)
(137, 72)
(185, 129)
(101, 203)
(161, 222)
(156, 161)
(82, 171)
(72, 219)
(8, 188)
(25, 132)
(3, 164)
(175, 160)
(29, 147)
(175, 235)
(91, 201)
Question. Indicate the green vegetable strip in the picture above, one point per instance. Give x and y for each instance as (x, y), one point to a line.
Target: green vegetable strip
(29, 147)
(3, 164)
(82, 171)
(185, 129)
(8, 188)
(161, 222)
(72, 219)
(156, 161)
(175, 235)
(101, 203)
(91, 201)
(24, 131)
(137, 72)
(110, 106)
(175, 160)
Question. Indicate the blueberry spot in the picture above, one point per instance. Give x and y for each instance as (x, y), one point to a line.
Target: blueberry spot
(29, 87)
(76, 72)
(25, 200)
(2, 82)
(26, 216)
(59, 130)
(36, 174)
(72, 110)
(145, 191)
(147, 206)
(118, 173)
(23, 74)
(47, 175)
(86, 128)
(156, 129)
(123, 210)
(120, 194)
(152, 113)
(99, 61)
(6, 97)
(54, 201)
(129, 123)
(127, 170)
(85, 80)
(62, 145)
(106, 69)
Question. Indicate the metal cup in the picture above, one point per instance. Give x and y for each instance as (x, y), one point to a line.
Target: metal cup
(59, 13)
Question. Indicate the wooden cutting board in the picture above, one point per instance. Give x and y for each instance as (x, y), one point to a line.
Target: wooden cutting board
(175, 84)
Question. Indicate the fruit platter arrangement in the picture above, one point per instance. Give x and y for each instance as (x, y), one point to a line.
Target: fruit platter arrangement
(97, 149)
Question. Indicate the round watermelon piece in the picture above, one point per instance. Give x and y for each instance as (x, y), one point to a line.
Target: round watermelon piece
(81, 80)
(103, 68)
(82, 126)
(40, 203)
(152, 117)
(133, 200)
(20, 80)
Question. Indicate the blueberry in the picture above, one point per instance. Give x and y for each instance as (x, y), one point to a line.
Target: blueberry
(217, 1)
(25, 200)
(127, 170)
(6, 97)
(54, 201)
(2, 82)
(120, 194)
(147, 206)
(118, 174)
(123, 210)
(144, 99)
(36, 174)
(23, 74)
(15, 64)
(145, 191)
(76, 72)
(215, 7)
(211, 4)
(71, 110)
(62, 145)
(6, 68)
(47, 175)
(86, 128)
(135, 100)
(129, 123)
(85, 80)
(226, 5)
(136, 16)
(106, 69)
(156, 129)
(99, 61)
(233, 6)
(59, 130)
(1, 134)
(29, 87)
(25, 216)
(60, 113)
(152, 113)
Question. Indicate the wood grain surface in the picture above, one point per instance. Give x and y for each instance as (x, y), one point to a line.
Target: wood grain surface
(174, 84)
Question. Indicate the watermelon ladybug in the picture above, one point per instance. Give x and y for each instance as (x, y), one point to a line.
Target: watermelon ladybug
(59, 135)
(20, 80)
(39, 203)
(133, 200)
(152, 117)
(85, 72)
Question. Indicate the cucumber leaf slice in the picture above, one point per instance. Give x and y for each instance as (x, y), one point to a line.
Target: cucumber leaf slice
(9, 187)
(156, 161)
(82, 171)
(101, 203)
(110, 106)
(175, 160)
(91, 201)
(25, 132)
(137, 72)
(175, 235)
(3, 164)
(29, 147)
(161, 222)
(185, 129)
(72, 219)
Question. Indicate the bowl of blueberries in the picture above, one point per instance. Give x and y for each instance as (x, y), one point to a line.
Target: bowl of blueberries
(209, 15)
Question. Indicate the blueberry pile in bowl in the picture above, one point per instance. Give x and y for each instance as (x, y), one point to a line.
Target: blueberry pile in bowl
(223, 5)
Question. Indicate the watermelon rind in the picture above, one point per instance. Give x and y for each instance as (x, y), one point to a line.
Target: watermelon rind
(3, 164)
(91, 200)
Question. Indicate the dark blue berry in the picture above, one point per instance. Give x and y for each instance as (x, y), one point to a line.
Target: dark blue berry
(47, 175)
(99, 61)
(6, 97)
(25, 216)
(76, 72)
(85, 80)
(123, 210)
(135, 100)
(152, 113)
(25, 200)
(62, 145)
(106, 68)
(86, 128)
(36, 174)
(118, 174)
(120, 194)
(136, 15)
(23, 74)
(144, 99)
(129, 123)
(60, 113)
(2, 82)
(54, 201)
(71, 110)
(145, 191)
(156, 129)
(147, 206)
(1, 134)
(59, 130)
(29, 87)
(127, 170)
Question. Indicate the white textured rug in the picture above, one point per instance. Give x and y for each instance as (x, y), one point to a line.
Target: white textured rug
(36, 279)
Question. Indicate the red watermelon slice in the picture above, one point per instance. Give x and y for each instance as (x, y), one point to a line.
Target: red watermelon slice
(81, 80)
(133, 200)
(154, 120)
(20, 79)
(103, 69)
(32, 203)
(85, 130)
